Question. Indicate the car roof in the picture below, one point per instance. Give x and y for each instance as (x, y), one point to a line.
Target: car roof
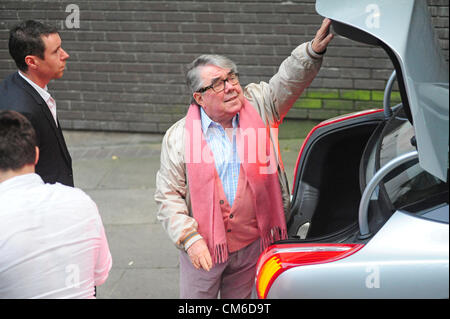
(403, 28)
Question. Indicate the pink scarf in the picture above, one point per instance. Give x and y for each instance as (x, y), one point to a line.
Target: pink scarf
(258, 162)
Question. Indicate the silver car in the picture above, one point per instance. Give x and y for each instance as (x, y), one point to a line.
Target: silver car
(370, 206)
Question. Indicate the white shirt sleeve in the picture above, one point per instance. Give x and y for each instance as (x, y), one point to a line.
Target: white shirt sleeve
(104, 261)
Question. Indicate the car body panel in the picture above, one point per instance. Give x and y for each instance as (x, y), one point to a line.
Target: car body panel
(410, 37)
(406, 254)
(398, 262)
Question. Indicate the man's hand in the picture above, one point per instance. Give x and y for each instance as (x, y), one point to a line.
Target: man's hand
(323, 37)
(199, 255)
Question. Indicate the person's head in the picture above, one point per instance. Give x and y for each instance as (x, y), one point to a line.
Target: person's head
(17, 143)
(214, 83)
(36, 47)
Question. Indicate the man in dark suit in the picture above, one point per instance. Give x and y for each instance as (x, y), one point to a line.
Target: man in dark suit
(36, 49)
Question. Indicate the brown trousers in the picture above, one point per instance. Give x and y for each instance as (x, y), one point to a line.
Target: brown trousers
(234, 279)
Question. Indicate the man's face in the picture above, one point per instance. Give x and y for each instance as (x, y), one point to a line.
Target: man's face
(221, 107)
(54, 62)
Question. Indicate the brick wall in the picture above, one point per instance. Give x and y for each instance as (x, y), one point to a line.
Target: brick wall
(126, 70)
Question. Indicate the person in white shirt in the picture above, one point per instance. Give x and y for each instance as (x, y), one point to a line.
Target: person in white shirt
(52, 240)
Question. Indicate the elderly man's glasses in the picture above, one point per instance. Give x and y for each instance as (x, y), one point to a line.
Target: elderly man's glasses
(219, 84)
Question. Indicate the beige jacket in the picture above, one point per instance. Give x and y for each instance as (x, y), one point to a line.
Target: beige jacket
(272, 101)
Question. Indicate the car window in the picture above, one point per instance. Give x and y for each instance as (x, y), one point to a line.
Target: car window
(409, 183)
(439, 213)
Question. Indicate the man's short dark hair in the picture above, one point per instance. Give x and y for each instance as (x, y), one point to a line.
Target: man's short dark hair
(25, 39)
(17, 141)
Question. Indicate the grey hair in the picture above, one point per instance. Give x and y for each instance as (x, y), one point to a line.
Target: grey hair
(193, 78)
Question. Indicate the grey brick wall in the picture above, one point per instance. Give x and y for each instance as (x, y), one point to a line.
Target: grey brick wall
(126, 70)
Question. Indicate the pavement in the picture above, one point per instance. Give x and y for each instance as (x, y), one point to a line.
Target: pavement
(118, 171)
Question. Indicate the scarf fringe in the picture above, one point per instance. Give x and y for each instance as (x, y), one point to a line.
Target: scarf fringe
(274, 234)
(220, 253)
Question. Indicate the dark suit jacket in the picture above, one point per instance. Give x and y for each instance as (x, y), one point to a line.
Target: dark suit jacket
(55, 163)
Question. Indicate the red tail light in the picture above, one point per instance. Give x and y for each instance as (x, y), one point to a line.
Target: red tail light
(278, 258)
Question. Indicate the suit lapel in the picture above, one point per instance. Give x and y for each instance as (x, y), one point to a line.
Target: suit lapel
(44, 108)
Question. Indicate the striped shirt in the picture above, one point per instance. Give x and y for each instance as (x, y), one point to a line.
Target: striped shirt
(225, 153)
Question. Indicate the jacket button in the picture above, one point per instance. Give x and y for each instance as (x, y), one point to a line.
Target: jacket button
(231, 215)
(221, 202)
(229, 231)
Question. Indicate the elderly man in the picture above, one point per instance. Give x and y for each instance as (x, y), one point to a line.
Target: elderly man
(221, 188)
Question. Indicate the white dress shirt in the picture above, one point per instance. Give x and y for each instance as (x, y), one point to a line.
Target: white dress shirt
(43, 92)
(225, 153)
(52, 241)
